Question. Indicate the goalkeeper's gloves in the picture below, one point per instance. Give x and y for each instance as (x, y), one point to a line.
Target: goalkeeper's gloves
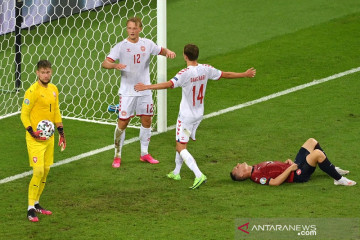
(36, 134)
(62, 141)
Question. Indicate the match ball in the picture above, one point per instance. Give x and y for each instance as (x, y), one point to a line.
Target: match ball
(47, 128)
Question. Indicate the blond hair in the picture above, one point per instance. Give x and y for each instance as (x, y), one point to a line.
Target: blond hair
(135, 20)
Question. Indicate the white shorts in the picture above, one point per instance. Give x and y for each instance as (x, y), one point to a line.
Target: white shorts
(142, 105)
(184, 131)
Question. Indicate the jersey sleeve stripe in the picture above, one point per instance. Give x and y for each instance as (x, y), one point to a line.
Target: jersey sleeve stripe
(172, 84)
(110, 59)
(221, 75)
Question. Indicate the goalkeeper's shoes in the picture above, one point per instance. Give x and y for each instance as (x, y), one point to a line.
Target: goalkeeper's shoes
(173, 176)
(116, 163)
(344, 182)
(31, 215)
(341, 171)
(198, 181)
(148, 158)
(41, 210)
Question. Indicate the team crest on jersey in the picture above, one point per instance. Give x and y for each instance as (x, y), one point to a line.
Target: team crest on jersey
(128, 50)
(54, 93)
(263, 180)
(123, 113)
(298, 172)
(35, 159)
(142, 48)
(27, 101)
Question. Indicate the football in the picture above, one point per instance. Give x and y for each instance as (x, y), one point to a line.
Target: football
(47, 128)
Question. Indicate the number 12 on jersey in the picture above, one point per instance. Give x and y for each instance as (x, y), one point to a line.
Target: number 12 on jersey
(136, 58)
(198, 94)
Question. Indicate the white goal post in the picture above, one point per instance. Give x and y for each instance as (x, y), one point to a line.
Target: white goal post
(76, 36)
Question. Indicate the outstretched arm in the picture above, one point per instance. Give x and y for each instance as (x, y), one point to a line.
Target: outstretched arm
(282, 177)
(167, 53)
(251, 72)
(142, 87)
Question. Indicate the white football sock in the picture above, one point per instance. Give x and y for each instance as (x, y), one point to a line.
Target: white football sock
(190, 162)
(178, 163)
(119, 136)
(145, 135)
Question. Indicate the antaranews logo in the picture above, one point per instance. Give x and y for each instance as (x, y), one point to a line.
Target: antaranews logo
(276, 230)
(244, 225)
(297, 228)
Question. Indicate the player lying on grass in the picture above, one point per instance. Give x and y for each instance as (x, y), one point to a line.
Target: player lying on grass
(193, 81)
(275, 173)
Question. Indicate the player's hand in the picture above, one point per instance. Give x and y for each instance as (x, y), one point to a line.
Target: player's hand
(36, 134)
(289, 161)
(251, 72)
(120, 66)
(62, 140)
(140, 87)
(170, 54)
(293, 167)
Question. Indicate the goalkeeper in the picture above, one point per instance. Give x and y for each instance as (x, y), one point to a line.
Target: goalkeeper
(41, 102)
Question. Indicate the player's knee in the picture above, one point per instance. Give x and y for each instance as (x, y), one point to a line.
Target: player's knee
(180, 147)
(312, 141)
(319, 155)
(46, 170)
(38, 172)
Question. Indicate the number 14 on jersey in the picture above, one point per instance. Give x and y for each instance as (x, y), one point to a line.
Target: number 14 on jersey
(198, 94)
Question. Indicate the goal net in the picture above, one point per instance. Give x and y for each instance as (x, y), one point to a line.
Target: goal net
(75, 36)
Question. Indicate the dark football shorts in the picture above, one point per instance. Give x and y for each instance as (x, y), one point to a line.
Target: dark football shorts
(304, 171)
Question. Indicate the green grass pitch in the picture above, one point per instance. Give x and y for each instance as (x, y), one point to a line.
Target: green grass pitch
(289, 43)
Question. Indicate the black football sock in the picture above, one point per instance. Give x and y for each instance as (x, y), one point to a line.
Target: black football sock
(329, 168)
(318, 147)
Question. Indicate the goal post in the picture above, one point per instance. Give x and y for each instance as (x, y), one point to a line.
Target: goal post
(76, 36)
(161, 67)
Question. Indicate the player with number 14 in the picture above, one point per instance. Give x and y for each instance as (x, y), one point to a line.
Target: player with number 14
(193, 80)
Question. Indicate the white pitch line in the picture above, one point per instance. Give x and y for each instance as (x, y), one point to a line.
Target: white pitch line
(214, 114)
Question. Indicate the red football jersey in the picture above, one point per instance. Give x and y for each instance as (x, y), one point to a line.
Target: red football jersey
(263, 172)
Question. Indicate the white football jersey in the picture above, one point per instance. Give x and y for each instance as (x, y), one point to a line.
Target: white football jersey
(136, 57)
(193, 81)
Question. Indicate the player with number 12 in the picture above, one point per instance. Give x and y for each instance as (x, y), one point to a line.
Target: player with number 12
(133, 56)
(193, 80)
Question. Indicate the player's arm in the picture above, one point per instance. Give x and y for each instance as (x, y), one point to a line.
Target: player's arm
(282, 177)
(167, 53)
(164, 85)
(58, 123)
(250, 73)
(109, 63)
(28, 104)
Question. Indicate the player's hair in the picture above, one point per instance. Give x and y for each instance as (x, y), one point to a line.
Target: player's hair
(135, 20)
(43, 64)
(235, 178)
(191, 51)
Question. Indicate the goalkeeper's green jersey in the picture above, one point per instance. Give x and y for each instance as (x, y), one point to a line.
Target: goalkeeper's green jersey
(40, 103)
